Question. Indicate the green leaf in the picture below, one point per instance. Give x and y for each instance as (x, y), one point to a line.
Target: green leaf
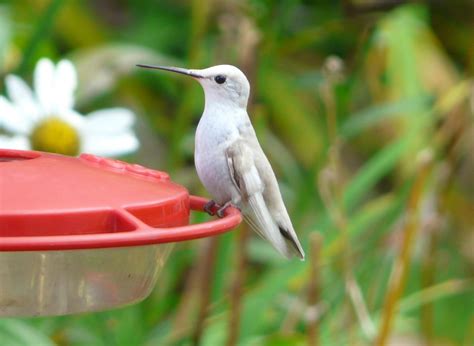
(436, 292)
(374, 170)
(374, 115)
(15, 332)
(299, 125)
(43, 26)
(5, 32)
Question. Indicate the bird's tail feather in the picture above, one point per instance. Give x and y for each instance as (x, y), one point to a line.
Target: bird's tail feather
(259, 218)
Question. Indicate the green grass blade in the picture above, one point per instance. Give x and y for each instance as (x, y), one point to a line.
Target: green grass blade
(374, 115)
(43, 26)
(15, 332)
(375, 169)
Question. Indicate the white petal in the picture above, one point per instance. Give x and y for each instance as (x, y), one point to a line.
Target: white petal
(44, 85)
(73, 118)
(64, 85)
(11, 120)
(16, 142)
(122, 144)
(22, 97)
(109, 121)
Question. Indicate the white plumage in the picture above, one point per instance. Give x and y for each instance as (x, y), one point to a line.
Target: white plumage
(231, 163)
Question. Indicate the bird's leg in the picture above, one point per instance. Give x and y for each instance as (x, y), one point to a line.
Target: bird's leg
(221, 210)
(208, 207)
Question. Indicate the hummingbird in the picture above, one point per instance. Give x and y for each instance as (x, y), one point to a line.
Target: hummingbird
(230, 161)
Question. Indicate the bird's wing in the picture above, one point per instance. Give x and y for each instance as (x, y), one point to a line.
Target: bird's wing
(243, 160)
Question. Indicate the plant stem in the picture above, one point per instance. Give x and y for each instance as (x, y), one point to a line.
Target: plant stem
(206, 270)
(334, 202)
(402, 263)
(314, 289)
(236, 288)
(427, 280)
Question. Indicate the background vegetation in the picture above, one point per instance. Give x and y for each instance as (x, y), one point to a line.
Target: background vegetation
(365, 109)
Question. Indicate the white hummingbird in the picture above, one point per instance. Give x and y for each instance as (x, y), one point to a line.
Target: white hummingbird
(230, 161)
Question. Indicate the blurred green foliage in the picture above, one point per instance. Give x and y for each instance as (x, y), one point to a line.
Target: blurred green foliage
(365, 109)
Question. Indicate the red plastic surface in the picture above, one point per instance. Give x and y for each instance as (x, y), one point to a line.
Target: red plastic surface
(53, 202)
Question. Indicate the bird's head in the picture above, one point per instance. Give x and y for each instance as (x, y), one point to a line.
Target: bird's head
(221, 83)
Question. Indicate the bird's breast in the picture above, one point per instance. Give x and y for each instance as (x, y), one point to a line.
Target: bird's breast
(210, 160)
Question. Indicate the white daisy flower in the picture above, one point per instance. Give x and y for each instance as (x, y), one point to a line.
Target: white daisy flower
(45, 120)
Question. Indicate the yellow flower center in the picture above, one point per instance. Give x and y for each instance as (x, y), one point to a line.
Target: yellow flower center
(54, 135)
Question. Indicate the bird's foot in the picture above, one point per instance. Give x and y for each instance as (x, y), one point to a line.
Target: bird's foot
(208, 207)
(221, 210)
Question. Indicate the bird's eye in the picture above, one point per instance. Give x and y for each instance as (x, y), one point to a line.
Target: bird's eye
(219, 79)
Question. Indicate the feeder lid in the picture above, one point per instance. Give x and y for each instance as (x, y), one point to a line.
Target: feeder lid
(50, 201)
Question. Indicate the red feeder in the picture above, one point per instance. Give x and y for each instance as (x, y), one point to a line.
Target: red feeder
(88, 233)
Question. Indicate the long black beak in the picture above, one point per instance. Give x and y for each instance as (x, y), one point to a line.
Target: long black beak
(173, 69)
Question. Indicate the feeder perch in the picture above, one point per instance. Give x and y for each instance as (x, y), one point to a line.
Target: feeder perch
(89, 233)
